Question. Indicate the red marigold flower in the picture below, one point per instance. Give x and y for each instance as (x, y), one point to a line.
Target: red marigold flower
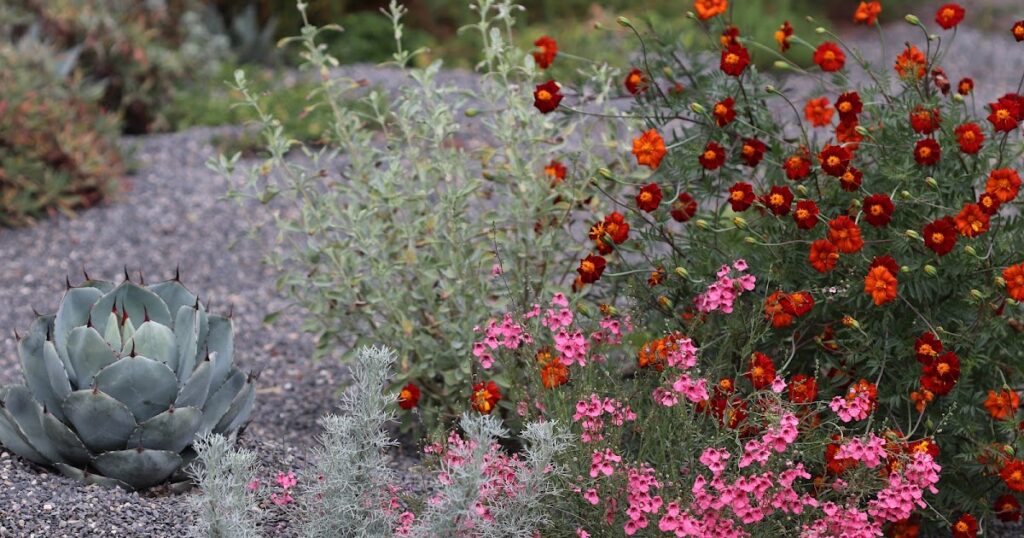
(970, 138)
(636, 82)
(649, 197)
(797, 166)
(940, 235)
(649, 148)
(989, 203)
(409, 397)
(949, 15)
(762, 371)
(806, 214)
(1004, 116)
(752, 151)
(741, 196)
(1003, 404)
(656, 277)
(803, 389)
(849, 106)
(878, 209)
(1014, 277)
(591, 268)
(774, 311)
(867, 13)
(880, 283)
(941, 375)
(965, 527)
(829, 57)
(844, 233)
(971, 221)
(927, 152)
(1013, 475)
(783, 34)
(554, 374)
(547, 96)
(847, 134)
(735, 58)
(797, 304)
(729, 36)
(1015, 102)
(940, 79)
(556, 171)
(818, 112)
(779, 200)
(709, 8)
(923, 120)
(684, 207)
(485, 397)
(965, 86)
(823, 256)
(885, 261)
(613, 226)
(1004, 183)
(545, 51)
(724, 111)
(851, 180)
(1018, 31)
(927, 347)
(834, 160)
(910, 63)
(712, 157)
(1007, 507)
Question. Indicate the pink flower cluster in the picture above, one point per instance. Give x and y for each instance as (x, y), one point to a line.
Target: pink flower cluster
(573, 347)
(721, 294)
(286, 482)
(777, 438)
(871, 451)
(639, 486)
(849, 409)
(507, 334)
(905, 491)
(601, 463)
(592, 415)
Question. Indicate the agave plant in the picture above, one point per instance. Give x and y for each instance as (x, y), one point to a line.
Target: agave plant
(120, 381)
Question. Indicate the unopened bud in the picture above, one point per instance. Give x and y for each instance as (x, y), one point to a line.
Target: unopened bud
(970, 250)
(931, 182)
(604, 172)
(665, 301)
(739, 222)
(682, 272)
(861, 130)
(932, 37)
(779, 64)
(1008, 450)
(802, 190)
(958, 98)
(1000, 282)
(820, 30)
(472, 112)
(905, 194)
(856, 203)
(702, 224)
(912, 19)
(749, 240)
(904, 269)
(912, 234)
(697, 108)
(623, 21)
(1011, 302)
(770, 89)
(930, 270)
(977, 295)
(849, 321)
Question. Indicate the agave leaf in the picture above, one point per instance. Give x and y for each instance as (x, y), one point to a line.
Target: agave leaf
(197, 388)
(136, 300)
(34, 366)
(74, 311)
(112, 333)
(59, 382)
(173, 294)
(127, 332)
(28, 415)
(156, 342)
(171, 430)
(221, 340)
(137, 467)
(101, 285)
(186, 332)
(147, 387)
(65, 441)
(88, 478)
(221, 399)
(88, 353)
(239, 410)
(102, 423)
(14, 439)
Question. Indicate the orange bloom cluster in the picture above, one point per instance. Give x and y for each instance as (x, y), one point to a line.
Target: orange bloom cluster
(485, 396)
(553, 372)
(829, 57)
(844, 233)
(1003, 404)
(867, 13)
(706, 9)
(910, 64)
(655, 353)
(880, 282)
(818, 111)
(1014, 277)
(783, 308)
(649, 149)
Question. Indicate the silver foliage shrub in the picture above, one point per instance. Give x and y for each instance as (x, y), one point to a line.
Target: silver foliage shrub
(223, 473)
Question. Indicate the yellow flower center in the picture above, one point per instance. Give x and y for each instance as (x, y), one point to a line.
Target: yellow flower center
(924, 152)
(634, 79)
(748, 149)
(938, 237)
(965, 87)
(725, 384)
(1003, 114)
(544, 95)
(802, 214)
(848, 177)
(943, 368)
(737, 195)
(876, 210)
(926, 349)
(720, 109)
(732, 59)
(948, 13)
(829, 56)
(1016, 476)
(405, 395)
(845, 106)
(587, 266)
(833, 161)
(1018, 31)
(709, 155)
(780, 36)
(976, 225)
(969, 136)
(776, 199)
(645, 196)
(757, 372)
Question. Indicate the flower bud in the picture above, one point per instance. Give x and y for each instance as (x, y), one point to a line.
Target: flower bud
(1011, 302)
(770, 89)
(690, 15)
(970, 250)
(802, 190)
(856, 203)
(905, 194)
(958, 98)
(668, 72)
(472, 112)
(930, 270)
(1000, 282)
(604, 172)
(861, 130)
(697, 108)
(931, 182)
(779, 64)
(682, 272)
(739, 222)
(849, 321)
(820, 30)
(912, 234)
(749, 240)
(977, 295)
(664, 301)
(1008, 450)
(932, 37)
(904, 269)
(912, 19)
(623, 21)
(702, 224)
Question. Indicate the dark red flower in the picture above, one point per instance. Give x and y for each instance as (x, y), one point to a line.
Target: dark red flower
(409, 397)
(851, 180)
(545, 51)
(752, 151)
(847, 134)
(989, 203)
(1004, 115)
(761, 372)
(972, 221)
(591, 268)
(806, 214)
(927, 347)
(735, 58)
(636, 82)
(829, 57)
(965, 86)
(783, 34)
(941, 80)
(803, 389)
(941, 375)
(547, 96)
(741, 196)
(970, 138)
(823, 255)
(797, 304)
(684, 207)
(923, 120)
(949, 15)
(887, 262)
(878, 209)
(778, 200)
(797, 166)
(712, 157)
(485, 397)
(556, 171)
(649, 197)
(729, 36)
(849, 106)
(834, 160)
(965, 527)
(940, 235)
(724, 111)
(927, 152)
(1007, 507)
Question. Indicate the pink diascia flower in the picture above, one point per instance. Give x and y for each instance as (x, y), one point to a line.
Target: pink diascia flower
(851, 409)
(286, 481)
(870, 451)
(721, 294)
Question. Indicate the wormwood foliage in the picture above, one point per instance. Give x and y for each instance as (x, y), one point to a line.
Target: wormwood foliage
(223, 472)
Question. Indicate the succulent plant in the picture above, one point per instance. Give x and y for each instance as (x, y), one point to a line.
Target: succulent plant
(120, 381)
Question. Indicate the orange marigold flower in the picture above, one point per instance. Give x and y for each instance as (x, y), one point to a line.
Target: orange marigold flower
(806, 214)
(989, 203)
(1003, 404)
(851, 180)
(729, 36)
(779, 200)
(834, 160)
(940, 235)
(878, 209)
(649, 197)
(1018, 31)
(654, 354)
(867, 12)
(803, 389)
(823, 256)
(927, 347)
(783, 34)
(818, 112)
(1013, 475)
(712, 157)
(741, 196)
(684, 207)
(970, 138)
(880, 284)
(965, 527)
(656, 277)
(774, 312)
(591, 268)
(649, 148)
(910, 63)
(921, 399)
(636, 81)
(709, 8)
(485, 397)
(927, 152)
(752, 151)
(971, 221)
(556, 171)
(1007, 508)
(924, 121)
(761, 372)
(545, 51)
(724, 111)
(797, 166)
(965, 86)
(844, 233)
(1003, 116)
(409, 397)
(1004, 183)
(829, 57)
(735, 58)
(547, 96)
(849, 106)
(554, 374)
(949, 15)
(1014, 277)
(941, 375)
(798, 303)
